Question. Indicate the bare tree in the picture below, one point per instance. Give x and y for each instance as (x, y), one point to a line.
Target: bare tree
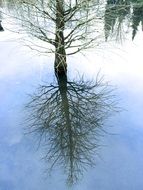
(66, 25)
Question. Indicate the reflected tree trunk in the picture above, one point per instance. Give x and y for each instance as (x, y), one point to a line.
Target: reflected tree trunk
(63, 89)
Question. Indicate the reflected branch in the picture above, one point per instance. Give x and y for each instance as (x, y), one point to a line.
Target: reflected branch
(69, 116)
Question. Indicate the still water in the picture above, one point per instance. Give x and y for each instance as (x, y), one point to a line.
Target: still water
(118, 157)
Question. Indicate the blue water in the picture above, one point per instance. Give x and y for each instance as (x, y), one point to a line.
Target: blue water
(120, 161)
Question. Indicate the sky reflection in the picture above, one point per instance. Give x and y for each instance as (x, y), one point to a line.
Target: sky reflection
(120, 165)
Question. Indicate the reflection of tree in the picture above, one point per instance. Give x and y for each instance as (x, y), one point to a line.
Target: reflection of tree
(119, 12)
(1, 28)
(115, 13)
(69, 116)
(137, 18)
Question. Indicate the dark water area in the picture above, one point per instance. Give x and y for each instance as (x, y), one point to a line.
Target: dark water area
(100, 152)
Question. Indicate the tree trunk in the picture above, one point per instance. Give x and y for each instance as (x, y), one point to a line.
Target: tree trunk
(60, 53)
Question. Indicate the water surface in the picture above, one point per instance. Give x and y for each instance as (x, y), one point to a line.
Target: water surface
(119, 164)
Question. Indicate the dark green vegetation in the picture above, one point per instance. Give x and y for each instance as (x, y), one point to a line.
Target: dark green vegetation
(1, 28)
(120, 14)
